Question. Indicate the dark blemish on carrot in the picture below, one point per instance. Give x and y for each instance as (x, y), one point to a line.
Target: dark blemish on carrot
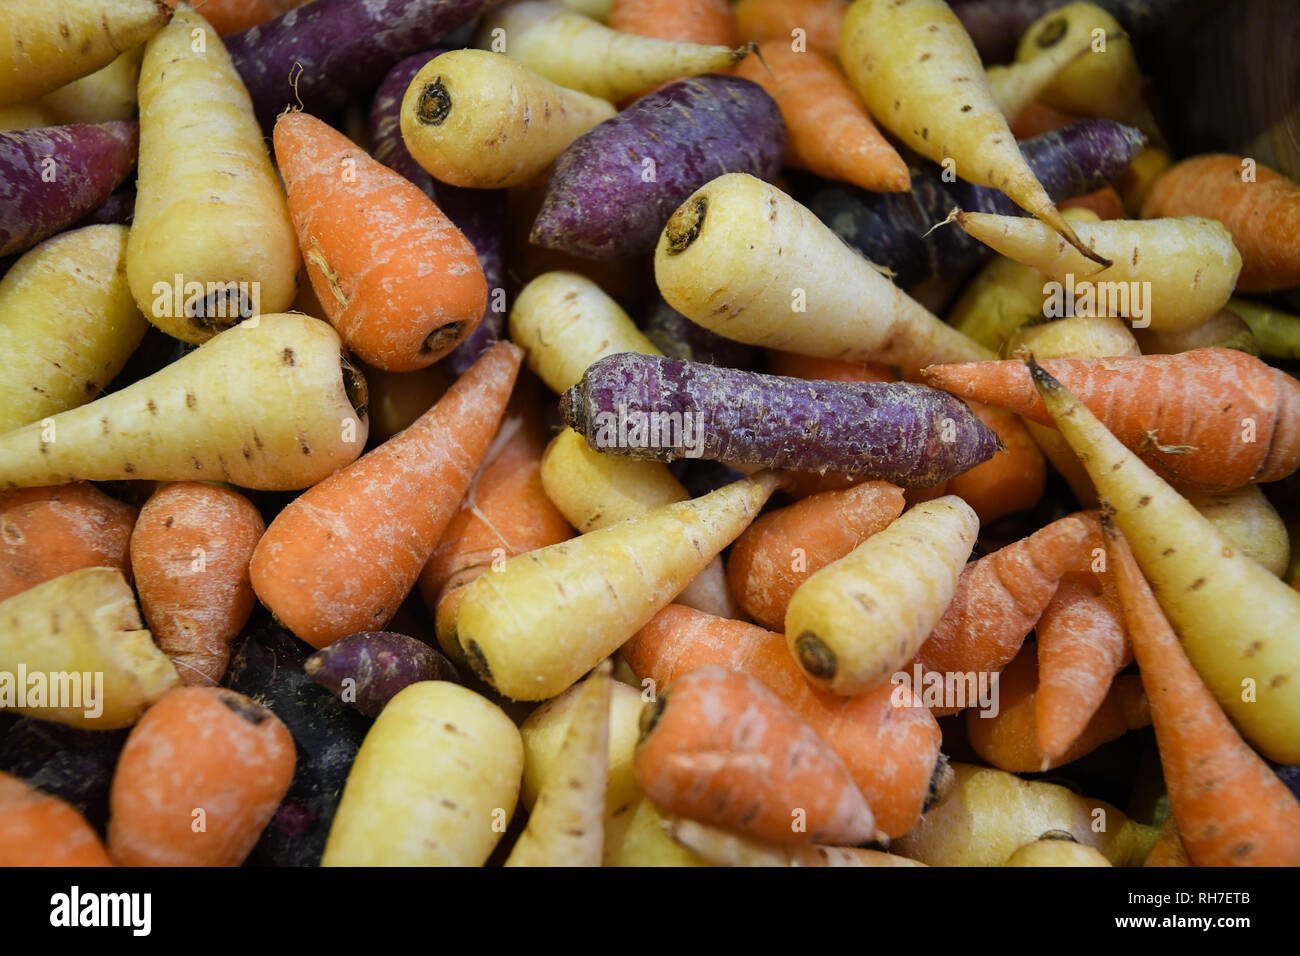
(1144, 501)
(1166, 552)
(153, 409)
(190, 400)
(442, 338)
(197, 464)
(434, 105)
(1279, 680)
(252, 712)
(1255, 648)
(128, 468)
(651, 713)
(287, 356)
(814, 656)
(1052, 32)
(966, 108)
(167, 523)
(1196, 584)
(685, 225)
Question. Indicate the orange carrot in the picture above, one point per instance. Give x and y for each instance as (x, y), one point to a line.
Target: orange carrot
(342, 557)
(1013, 479)
(199, 778)
(402, 285)
(997, 601)
(829, 131)
(721, 748)
(688, 21)
(1231, 809)
(37, 829)
(396, 399)
(887, 738)
(505, 512)
(1081, 647)
(1168, 849)
(1208, 419)
(794, 365)
(782, 549)
(232, 16)
(1105, 202)
(1009, 739)
(1258, 205)
(817, 20)
(47, 532)
(1039, 118)
(189, 553)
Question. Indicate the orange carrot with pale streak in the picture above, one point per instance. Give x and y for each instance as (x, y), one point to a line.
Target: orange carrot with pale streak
(887, 738)
(189, 553)
(782, 549)
(402, 285)
(997, 601)
(1009, 739)
(46, 533)
(1081, 647)
(1105, 202)
(1209, 419)
(830, 132)
(1259, 206)
(1231, 809)
(688, 21)
(505, 512)
(1013, 479)
(37, 829)
(819, 21)
(721, 748)
(343, 556)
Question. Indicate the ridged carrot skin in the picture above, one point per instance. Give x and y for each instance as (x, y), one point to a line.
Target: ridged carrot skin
(1216, 419)
(343, 556)
(401, 284)
(721, 748)
(886, 737)
(37, 829)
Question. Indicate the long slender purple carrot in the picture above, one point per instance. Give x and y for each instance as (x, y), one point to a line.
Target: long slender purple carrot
(662, 409)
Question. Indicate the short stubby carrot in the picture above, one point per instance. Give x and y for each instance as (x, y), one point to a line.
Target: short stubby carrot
(38, 829)
(721, 748)
(401, 284)
(886, 737)
(343, 556)
(1209, 419)
(782, 549)
(830, 131)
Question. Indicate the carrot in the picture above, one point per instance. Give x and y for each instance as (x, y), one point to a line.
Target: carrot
(1015, 85)
(794, 365)
(812, 24)
(1135, 183)
(1247, 519)
(231, 16)
(342, 557)
(37, 829)
(1036, 118)
(189, 552)
(1008, 739)
(721, 748)
(199, 777)
(397, 399)
(567, 824)
(1012, 480)
(48, 532)
(1105, 202)
(1223, 330)
(505, 512)
(829, 130)
(1216, 419)
(401, 284)
(905, 57)
(859, 619)
(731, 849)
(1169, 849)
(1231, 809)
(1053, 850)
(108, 94)
(1239, 623)
(782, 549)
(548, 616)
(886, 737)
(1277, 333)
(1259, 206)
(1081, 647)
(996, 602)
(692, 21)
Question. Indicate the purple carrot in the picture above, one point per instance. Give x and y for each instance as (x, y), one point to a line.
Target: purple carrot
(678, 337)
(662, 409)
(379, 664)
(479, 213)
(894, 229)
(331, 51)
(616, 185)
(53, 175)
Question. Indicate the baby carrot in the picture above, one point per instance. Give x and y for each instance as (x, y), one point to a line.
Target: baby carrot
(782, 549)
(342, 557)
(1231, 809)
(401, 284)
(721, 748)
(48, 532)
(200, 776)
(37, 829)
(886, 737)
(830, 132)
(693, 21)
(189, 553)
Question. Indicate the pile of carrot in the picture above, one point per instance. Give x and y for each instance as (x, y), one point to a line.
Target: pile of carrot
(532, 479)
